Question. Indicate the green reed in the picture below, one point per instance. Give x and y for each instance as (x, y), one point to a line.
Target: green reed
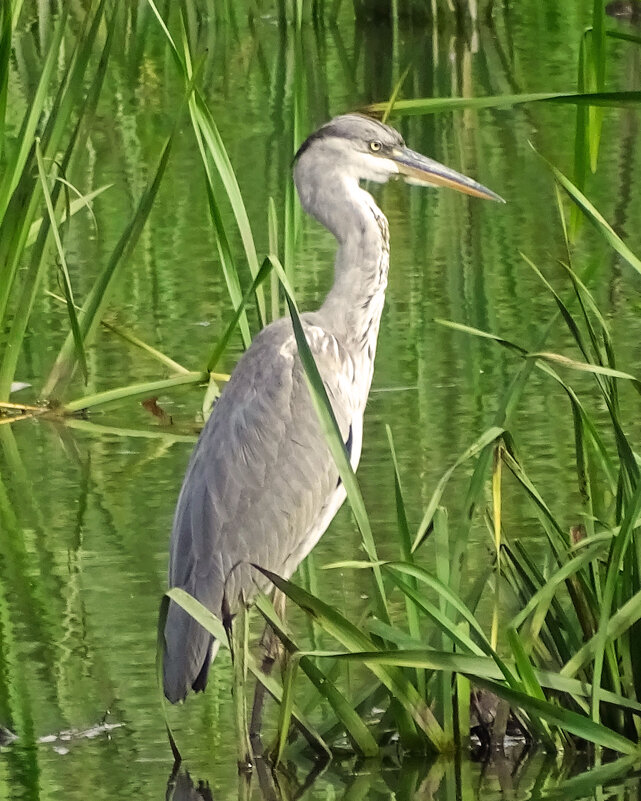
(569, 662)
(566, 663)
(27, 239)
(35, 176)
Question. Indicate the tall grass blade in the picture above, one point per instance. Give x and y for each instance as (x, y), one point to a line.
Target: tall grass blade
(223, 246)
(617, 624)
(462, 699)
(530, 683)
(477, 332)
(544, 594)
(625, 37)
(618, 551)
(15, 218)
(444, 568)
(405, 541)
(354, 639)
(207, 137)
(285, 711)
(596, 218)
(434, 105)
(66, 280)
(5, 55)
(395, 92)
(358, 733)
(447, 624)
(599, 332)
(585, 367)
(559, 542)
(272, 225)
(300, 102)
(221, 345)
(562, 307)
(134, 390)
(581, 144)
(32, 118)
(130, 337)
(472, 666)
(98, 297)
(74, 207)
(216, 149)
(487, 438)
(583, 785)
(211, 624)
(589, 431)
(598, 62)
(497, 507)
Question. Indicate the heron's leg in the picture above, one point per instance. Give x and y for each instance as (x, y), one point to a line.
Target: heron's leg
(271, 644)
(244, 785)
(240, 644)
(269, 789)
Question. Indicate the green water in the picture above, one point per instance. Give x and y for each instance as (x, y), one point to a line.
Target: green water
(86, 507)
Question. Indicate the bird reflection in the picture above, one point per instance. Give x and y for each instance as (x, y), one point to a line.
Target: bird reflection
(513, 771)
(181, 787)
(265, 784)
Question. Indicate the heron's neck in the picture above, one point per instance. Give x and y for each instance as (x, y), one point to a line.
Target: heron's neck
(354, 304)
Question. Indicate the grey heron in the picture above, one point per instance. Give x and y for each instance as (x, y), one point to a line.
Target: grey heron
(261, 486)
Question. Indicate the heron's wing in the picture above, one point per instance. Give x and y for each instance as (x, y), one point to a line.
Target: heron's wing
(259, 480)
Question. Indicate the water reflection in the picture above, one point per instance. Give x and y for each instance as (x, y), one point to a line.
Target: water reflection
(181, 787)
(510, 775)
(86, 507)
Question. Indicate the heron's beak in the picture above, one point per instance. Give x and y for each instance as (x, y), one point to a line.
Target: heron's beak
(421, 171)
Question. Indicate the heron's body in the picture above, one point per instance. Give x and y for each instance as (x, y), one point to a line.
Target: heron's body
(262, 486)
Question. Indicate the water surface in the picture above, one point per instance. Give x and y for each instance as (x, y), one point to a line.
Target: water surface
(86, 508)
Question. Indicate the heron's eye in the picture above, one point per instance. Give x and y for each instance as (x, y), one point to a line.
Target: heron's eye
(375, 146)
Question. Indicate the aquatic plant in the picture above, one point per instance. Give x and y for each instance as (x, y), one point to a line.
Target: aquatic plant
(566, 660)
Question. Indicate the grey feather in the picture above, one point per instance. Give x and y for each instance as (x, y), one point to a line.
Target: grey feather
(241, 501)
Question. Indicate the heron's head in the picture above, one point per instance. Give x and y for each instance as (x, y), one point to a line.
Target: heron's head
(362, 148)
